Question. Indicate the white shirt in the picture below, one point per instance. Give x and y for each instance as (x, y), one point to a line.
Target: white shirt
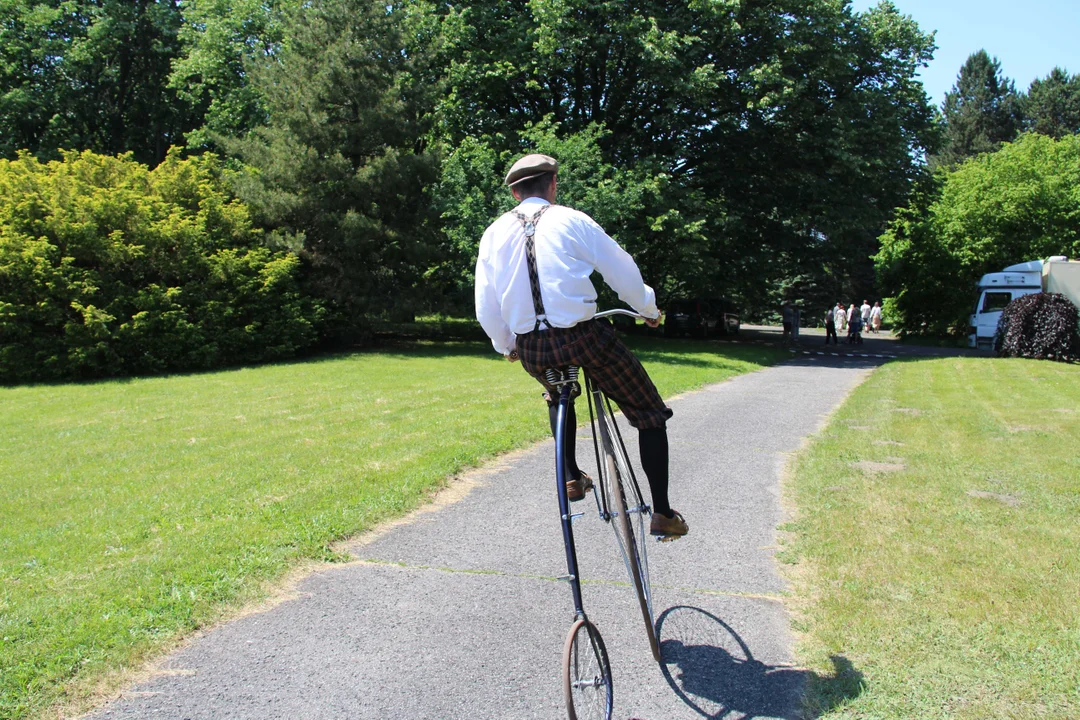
(569, 247)
(865, 312)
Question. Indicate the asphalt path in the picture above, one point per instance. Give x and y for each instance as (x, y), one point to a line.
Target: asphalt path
(457, 612)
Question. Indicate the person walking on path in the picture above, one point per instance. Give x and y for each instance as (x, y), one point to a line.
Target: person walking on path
(855, 329)
(787, 318)
(864, 313)
(536, 302)
(875, 317)
(841, 317)
(830, 326)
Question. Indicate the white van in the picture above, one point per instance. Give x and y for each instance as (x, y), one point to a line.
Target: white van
(996, 290)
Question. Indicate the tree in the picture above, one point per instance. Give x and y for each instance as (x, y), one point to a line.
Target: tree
(90, 74)
(340, 168)
(1052, 106)
(981, 112)
(778, 135)
(1019, 203)
(221, 39)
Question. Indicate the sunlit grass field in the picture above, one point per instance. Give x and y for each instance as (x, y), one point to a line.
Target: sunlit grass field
(133, 512)
(937, 544)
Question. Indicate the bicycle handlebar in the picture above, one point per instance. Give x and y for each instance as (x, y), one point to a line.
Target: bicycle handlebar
(621, 311)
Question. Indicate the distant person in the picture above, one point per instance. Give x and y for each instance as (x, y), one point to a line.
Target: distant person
(841, 317)
(787, 315)
(864, 313)
(855, 329)
(830, 326)
(875, 317)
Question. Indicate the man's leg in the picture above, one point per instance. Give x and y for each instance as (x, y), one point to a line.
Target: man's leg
(653, 450)
(539, 351)
(621, 376)
(573, 472)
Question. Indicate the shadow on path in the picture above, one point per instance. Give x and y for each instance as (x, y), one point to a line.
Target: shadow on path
(712, 670)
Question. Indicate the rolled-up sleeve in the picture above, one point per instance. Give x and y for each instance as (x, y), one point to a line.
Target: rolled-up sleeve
(488, 310)
(619, 270)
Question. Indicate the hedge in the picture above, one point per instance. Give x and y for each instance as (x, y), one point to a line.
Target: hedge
(110, 268)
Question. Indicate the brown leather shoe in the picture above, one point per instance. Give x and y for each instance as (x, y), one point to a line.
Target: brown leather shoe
(576, 489)
(665, 526)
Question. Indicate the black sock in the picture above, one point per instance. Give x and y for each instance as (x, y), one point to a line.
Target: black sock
(570, 456)
(653, 448)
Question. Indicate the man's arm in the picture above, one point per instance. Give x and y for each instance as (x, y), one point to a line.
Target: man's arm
(488, 311)
(619, 270)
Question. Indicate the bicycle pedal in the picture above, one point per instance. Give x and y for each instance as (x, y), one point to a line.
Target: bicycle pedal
(666, 538)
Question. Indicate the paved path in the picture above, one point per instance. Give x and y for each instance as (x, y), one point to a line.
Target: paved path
(882, 345)
(456, 614)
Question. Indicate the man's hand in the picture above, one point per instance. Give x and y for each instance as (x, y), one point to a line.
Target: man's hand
(655, 322)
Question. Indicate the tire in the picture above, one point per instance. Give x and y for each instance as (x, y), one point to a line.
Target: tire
(630, 527)
(586, 673)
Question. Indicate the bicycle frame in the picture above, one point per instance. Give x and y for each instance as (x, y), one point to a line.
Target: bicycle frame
(565, 379)
(595, 395)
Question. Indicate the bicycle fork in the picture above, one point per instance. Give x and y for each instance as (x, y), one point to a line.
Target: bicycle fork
(564, 500)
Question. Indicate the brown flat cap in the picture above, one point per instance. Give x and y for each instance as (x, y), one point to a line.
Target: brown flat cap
(530, 166)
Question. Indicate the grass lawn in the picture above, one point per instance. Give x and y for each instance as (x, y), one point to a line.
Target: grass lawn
(936, 545)
(944, 341)
(133, 512)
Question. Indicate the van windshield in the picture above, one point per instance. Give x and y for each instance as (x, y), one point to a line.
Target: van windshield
(995, 301)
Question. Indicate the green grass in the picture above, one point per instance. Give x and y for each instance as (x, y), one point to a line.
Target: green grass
(133, 512)
(947, 575)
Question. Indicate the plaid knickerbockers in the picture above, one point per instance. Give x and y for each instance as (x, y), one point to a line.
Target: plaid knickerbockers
(593, 346)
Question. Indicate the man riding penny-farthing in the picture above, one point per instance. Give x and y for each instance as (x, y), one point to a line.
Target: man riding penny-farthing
(535, 300)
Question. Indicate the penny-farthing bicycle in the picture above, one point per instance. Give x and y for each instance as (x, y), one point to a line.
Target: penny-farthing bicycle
(586, 666)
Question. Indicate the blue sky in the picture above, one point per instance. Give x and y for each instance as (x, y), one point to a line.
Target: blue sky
(1029, 37)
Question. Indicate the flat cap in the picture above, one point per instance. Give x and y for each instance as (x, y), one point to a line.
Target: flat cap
(530, 166)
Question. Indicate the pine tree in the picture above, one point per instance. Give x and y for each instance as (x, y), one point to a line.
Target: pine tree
(340, 167)
(982, 111)
(1053, 105)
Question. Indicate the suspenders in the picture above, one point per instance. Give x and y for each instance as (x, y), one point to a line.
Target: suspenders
(529, 225)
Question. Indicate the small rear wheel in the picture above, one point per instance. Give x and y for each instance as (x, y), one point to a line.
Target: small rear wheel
(586, 673)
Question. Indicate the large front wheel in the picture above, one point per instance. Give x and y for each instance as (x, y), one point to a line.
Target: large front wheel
(633, 552)
(586, 673)
(630, 520)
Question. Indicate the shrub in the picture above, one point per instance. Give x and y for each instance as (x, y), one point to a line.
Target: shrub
(110, 268)
(1042, 325)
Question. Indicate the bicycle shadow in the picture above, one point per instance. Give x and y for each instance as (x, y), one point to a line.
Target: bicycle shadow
(713, 671)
